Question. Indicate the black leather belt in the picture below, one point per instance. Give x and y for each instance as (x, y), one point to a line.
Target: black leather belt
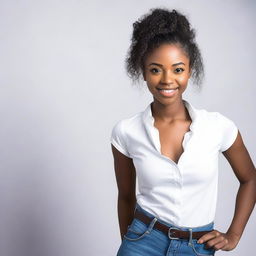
(170, 232)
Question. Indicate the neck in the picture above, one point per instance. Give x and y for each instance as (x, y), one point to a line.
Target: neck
(169, 113)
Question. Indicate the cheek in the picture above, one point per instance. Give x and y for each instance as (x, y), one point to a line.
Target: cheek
(182, 80)
(153, 80)
(150, 88)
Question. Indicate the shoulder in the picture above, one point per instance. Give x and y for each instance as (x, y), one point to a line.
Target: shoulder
(214, 117)
(220, 120)
(206, 119)
(120, 131)
(222, 128)
(123, 125)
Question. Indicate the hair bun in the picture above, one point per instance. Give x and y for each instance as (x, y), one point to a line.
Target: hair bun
(161, 21)
(165, 22)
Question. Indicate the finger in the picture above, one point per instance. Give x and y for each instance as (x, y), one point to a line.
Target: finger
(208, 236)
(221, 245)
(217, 243)
(214, 241)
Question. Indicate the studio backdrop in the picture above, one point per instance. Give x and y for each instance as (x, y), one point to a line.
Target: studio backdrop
(63, 86)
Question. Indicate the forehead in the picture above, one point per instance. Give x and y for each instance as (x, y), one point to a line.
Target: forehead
(167, 53)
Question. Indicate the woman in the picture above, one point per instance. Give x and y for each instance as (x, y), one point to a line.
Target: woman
(173, 148)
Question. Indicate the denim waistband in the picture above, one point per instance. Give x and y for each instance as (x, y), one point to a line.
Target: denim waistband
(206, 227)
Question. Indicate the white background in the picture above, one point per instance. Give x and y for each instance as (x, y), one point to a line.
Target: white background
(62, 88)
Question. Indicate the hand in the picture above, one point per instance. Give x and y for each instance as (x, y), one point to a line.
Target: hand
(220, 241)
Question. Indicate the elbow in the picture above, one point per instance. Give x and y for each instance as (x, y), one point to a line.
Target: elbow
(249, 179)
(253, 179)
(126, 197)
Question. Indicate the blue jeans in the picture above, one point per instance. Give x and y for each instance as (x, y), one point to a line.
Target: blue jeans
(145, 240)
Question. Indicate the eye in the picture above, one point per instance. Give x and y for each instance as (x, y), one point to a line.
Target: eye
(179, 70)
(154, 70)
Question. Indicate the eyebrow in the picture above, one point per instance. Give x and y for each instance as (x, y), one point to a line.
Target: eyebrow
(157, 64)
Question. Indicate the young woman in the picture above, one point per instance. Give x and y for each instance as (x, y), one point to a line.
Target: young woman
(172, 148)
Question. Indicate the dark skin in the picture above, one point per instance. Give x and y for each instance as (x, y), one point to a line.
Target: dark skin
(126, 182)
(171, 69)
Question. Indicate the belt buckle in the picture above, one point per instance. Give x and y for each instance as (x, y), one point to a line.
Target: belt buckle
(170, 235)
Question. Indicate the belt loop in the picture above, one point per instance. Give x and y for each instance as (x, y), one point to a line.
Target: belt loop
(190, 242)
(152, 223)
(135, 208)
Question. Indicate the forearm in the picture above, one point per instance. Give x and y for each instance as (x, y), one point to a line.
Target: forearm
(125, 213)
(245, 202)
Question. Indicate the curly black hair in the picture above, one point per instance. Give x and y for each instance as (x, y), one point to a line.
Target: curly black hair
(160, 26)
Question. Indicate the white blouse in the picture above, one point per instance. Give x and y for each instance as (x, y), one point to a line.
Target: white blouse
(182, 194)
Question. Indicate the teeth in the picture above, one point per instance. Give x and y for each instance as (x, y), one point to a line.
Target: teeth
(168, 90)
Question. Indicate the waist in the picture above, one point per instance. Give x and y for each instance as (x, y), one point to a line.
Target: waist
(169, 217)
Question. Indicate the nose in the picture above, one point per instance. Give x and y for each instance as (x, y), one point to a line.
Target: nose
(167, 77)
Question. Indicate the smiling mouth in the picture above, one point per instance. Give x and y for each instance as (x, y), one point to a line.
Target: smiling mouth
(167, 92)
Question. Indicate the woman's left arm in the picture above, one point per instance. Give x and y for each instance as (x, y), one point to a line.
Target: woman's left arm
(244, 169)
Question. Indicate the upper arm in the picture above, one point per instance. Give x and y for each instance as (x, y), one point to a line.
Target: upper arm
(125, 174)
(240, 160)
(124, 168)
